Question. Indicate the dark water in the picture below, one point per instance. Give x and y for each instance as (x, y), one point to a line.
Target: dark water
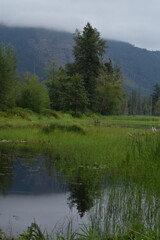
(33, 188)
(31, 191)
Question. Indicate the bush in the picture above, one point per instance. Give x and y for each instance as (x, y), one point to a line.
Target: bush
(76, 114)
(50, 113)
(33, 95)
(18, 112)
(21, 112)
(68, 128)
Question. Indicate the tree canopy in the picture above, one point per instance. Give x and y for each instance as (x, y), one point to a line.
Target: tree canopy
(33, 95)
(88, 51)
(8, 77)
(88, 83)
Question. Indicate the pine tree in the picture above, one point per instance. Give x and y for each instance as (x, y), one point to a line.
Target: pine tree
(88, 52)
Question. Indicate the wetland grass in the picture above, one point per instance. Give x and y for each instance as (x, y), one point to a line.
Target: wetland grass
(87, 233)
(109, 148)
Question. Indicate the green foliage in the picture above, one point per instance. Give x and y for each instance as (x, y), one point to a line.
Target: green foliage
(87, 83)
(103, 147)
(76, 96)
(146, 146)
(57, 84)
(8, 77)
(66, 93)
(110, 93)
(32, 233)
(88, 51)
(2, 235)
(50, 113)
(157, 108)
(69, 128)
(134, 104)
(33, 95)
(89, 233)
(140, 66)
(155, 98)
(68, 235)
(76, 114)
(20, 112)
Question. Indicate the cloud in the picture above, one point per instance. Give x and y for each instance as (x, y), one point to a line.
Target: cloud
(130, 21)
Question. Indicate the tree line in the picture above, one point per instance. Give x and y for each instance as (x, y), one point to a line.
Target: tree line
(87, 84)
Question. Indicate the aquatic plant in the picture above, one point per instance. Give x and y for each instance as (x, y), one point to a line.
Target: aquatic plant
(33, 233)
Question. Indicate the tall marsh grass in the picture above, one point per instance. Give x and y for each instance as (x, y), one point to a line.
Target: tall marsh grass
(87, 233)
(83, 152)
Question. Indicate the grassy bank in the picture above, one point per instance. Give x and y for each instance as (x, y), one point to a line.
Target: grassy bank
(91, 147)
(108, 143)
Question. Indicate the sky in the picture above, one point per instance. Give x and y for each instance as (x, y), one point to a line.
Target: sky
(133, 21)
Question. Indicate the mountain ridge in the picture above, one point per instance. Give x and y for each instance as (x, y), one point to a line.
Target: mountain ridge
(37, 47)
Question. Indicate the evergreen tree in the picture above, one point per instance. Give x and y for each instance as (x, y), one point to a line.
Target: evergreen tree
(87, 82)
(76, 99)
(157, 108)
(57, 86)
(88, 51)
(110, 92)
(8, 77)
(134, 103)
(155, 97)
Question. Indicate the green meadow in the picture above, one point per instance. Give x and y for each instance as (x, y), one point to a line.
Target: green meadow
(91, 146)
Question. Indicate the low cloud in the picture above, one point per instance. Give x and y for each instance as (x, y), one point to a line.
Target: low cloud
(130, 21)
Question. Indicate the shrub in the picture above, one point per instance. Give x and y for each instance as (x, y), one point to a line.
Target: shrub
(49, 112)
(34, 95)
(68, 128)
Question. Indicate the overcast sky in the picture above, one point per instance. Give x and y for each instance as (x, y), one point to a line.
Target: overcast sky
(133, 21)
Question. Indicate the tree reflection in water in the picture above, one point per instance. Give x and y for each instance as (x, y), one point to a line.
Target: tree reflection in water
(116, 204)
(6, 169)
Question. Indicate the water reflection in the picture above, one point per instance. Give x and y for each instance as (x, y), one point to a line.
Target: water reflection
(6, 171)
(33, 187)
(31, 192)
(80, 196)
(17, 212)
(124, 206)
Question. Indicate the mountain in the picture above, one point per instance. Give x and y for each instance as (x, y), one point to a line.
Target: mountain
(36, 48)
(140, 67)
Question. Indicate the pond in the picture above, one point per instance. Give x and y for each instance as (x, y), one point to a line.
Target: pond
(34, 188)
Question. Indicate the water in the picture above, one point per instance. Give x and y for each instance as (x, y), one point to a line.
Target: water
(34, 188)
(29, 191)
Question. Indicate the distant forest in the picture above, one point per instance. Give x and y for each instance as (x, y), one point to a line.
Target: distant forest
(90, 82)
(36, 48)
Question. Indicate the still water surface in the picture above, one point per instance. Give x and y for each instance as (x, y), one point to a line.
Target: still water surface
(29, 192)
(32, 189)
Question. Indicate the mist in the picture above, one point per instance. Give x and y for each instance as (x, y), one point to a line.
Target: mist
(130, 21)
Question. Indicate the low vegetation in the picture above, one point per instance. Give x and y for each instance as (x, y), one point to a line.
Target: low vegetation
(125, 147)
(87, 233)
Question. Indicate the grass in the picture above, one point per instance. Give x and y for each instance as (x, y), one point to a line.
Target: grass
(87, 233)
(84, 151)
(117, 150)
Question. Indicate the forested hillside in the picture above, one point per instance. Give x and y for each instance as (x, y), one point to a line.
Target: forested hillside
(36, 48)
(140, 66)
